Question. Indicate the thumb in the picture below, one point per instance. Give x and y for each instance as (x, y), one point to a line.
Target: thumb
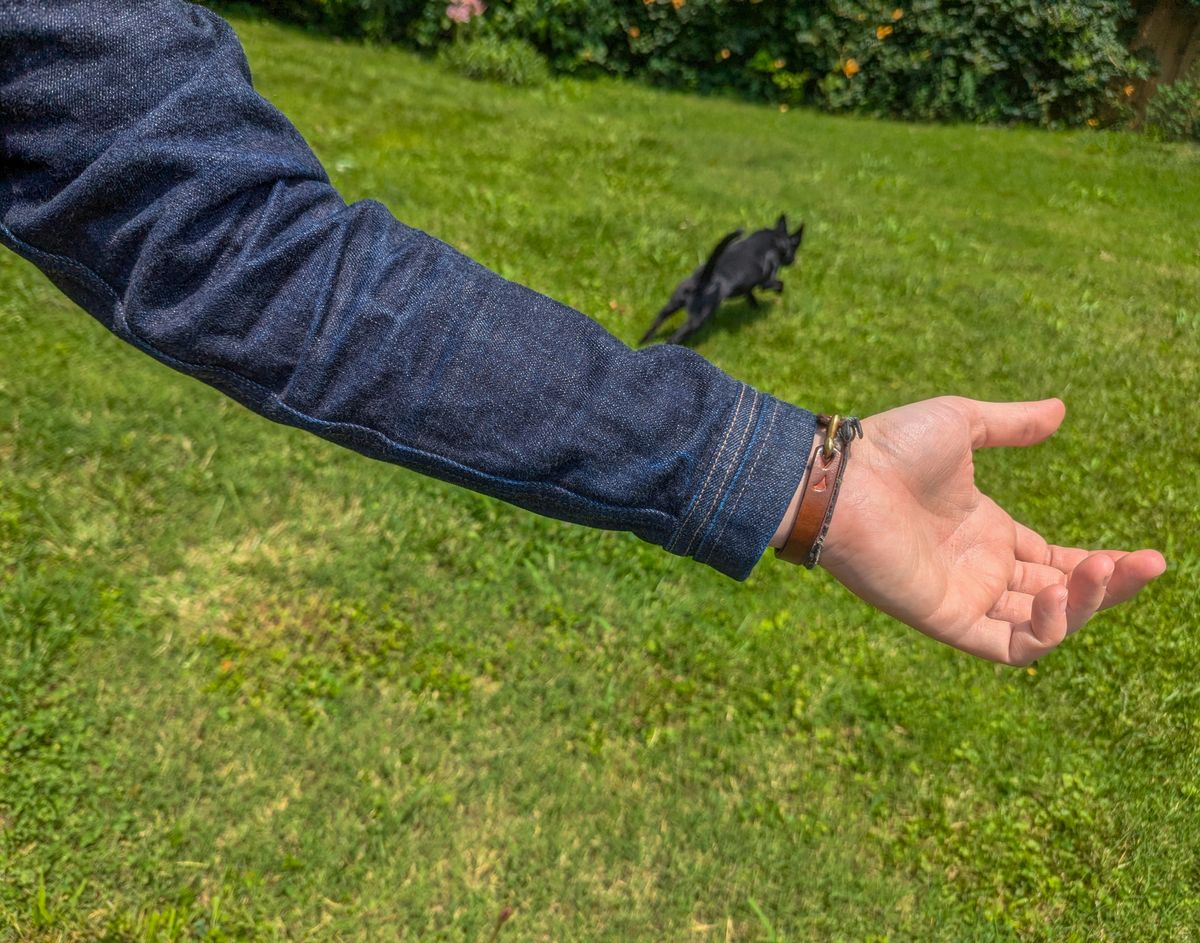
(994, 424)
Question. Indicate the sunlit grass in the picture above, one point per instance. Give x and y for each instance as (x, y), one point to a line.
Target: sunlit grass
(256, 687)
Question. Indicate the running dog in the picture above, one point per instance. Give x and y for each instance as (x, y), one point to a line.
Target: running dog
(733, 269)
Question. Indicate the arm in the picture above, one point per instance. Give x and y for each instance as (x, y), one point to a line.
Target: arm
(188, 216)
(143, 174)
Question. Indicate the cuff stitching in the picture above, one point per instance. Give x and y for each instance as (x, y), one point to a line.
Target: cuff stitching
(696, 501)
(718, 496)
(716, 541)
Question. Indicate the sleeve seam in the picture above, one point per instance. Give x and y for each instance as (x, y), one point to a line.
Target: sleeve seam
(731, 478)
(262, 394)
(731, 472)
(712, 468)
(722, 464)
(758, 454)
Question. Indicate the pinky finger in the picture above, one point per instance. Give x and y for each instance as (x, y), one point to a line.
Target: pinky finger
(1044, 631)
(1131, 572)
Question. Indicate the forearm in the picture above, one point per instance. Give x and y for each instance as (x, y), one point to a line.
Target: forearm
(188, 215)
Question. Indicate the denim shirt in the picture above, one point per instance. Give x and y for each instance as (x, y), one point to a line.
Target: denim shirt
(141, 172)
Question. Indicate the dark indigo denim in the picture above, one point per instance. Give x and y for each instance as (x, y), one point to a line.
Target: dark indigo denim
(143, 174)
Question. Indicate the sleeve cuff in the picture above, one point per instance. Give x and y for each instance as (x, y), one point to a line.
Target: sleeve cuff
(746, 490)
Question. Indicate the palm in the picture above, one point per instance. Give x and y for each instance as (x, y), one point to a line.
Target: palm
(913, 535)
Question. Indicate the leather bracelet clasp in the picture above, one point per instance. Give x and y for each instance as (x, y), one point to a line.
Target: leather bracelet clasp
(820, 491)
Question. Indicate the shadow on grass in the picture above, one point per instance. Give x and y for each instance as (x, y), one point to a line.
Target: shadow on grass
(731, 318)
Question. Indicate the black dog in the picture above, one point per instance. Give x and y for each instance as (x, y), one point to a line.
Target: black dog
(733, 269)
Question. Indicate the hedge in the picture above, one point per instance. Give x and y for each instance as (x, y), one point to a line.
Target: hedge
(1002, 61)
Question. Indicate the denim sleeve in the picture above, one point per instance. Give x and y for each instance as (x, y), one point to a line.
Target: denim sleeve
(143, 174)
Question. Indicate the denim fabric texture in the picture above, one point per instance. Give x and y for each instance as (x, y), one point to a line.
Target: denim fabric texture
(141, 172)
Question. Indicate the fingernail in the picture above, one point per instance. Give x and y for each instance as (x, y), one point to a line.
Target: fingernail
(1062, 603)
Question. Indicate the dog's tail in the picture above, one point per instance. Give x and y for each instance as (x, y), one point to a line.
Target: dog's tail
(714, 257)
(707, 296)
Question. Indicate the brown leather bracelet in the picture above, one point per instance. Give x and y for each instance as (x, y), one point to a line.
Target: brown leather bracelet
(820, 491)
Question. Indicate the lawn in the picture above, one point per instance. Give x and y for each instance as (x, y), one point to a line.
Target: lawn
(255, 687)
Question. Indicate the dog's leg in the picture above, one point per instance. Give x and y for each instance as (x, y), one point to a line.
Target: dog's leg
(774, 284)
(686, 330)
(750, 298)
(671, 307)
(699, 310)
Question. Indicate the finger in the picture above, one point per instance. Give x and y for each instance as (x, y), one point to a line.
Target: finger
(1044, 631)
(1032, 578)
(1131, 572)
(1086, 588)
(1012, 607)
(1032, 546)
(994, 424)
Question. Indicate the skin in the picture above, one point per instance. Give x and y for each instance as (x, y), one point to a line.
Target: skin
(954, 564)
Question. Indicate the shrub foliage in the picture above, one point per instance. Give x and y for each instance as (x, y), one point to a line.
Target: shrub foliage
(1174, 112)
(511, 61)
(1051, 63)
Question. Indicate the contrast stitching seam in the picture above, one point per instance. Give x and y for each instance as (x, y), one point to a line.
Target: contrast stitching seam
(731, 476)
(713, 467)
(82, 270)
(749, 476)
(719, 496)
(718, 500)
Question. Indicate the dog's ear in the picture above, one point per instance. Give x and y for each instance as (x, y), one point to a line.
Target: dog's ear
(781, 223)
(798, 235)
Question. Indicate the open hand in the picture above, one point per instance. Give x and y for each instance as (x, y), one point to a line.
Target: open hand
(913, 536)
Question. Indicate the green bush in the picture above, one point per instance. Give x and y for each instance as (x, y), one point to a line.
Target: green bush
(511, 61)
(379, 20)
(1000, 61)
(1174, 112)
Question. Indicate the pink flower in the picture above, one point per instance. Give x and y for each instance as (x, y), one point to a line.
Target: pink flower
(462, 11)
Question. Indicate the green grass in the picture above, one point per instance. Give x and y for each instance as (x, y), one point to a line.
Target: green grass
(253, 687)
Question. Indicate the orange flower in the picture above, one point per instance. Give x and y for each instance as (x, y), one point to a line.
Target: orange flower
(1128, 90)
(850, 67)
(896, 14)
(634, 32)
(725, 53)
(677, 3)
(1093, 123)
(883, 32)
(779, 63)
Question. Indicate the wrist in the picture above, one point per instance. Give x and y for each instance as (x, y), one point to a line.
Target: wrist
(844, 526)
(827, 468)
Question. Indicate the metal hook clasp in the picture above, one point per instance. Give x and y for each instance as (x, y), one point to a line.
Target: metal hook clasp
(840, 431)
(831, 431)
